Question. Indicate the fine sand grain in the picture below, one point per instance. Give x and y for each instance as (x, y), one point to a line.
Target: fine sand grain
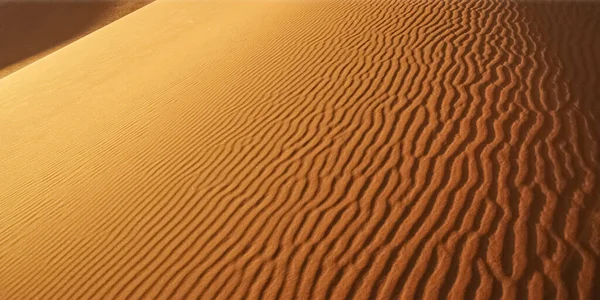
(308, 150)
(31, 29)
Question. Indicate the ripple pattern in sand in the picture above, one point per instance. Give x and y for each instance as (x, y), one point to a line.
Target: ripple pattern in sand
(371, 150)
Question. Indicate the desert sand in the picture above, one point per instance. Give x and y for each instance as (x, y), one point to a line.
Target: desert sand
(308, 150)
(31, 29)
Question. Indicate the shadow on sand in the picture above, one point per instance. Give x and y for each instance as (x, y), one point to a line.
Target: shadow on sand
(570, 35)
(31, 27)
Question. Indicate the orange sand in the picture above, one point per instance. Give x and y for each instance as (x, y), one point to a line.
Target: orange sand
(31, 29)
(308, 150)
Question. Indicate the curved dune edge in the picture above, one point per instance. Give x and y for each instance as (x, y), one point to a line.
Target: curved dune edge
(378, 150)
(32, 29)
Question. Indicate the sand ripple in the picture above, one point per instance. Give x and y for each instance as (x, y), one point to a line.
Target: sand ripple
(330, 150)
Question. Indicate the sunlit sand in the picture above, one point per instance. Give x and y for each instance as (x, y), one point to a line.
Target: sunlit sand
(307, 150)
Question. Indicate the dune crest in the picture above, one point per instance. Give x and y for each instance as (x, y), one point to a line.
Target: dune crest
(308, 150)
(31, 29)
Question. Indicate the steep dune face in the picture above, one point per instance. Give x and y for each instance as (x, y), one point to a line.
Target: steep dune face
(363, 149)
(31, 29)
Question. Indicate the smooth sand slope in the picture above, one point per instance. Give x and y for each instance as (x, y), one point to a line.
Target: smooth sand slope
(31, 29)
(309, 150)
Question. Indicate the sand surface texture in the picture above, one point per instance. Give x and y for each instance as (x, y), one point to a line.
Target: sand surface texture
(31, 29)
(308, 150)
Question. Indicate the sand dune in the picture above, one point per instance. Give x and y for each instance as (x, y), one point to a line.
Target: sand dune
(309, 150)
(31, 29)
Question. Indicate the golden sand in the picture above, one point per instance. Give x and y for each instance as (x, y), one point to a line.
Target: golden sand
(32, 29)
(308, 150)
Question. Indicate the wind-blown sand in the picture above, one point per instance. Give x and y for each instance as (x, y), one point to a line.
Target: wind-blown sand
(31, 29)
(308, 149)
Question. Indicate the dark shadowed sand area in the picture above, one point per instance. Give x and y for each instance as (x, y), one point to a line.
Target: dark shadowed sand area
(31, 29)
